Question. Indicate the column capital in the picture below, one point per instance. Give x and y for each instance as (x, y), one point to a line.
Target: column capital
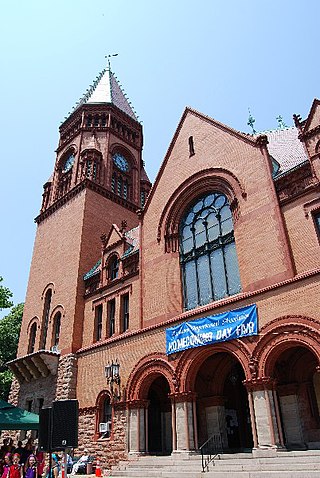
(260, 383)
(179, 397)
(138, 404)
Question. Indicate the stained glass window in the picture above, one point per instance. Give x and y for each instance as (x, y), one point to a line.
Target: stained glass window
(207, 251)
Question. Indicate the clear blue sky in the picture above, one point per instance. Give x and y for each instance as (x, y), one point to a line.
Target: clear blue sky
(219, 57)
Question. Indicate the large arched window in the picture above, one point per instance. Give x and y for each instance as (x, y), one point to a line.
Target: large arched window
(207, 251)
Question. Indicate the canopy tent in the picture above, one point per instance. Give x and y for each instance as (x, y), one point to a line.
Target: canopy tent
(14, 418)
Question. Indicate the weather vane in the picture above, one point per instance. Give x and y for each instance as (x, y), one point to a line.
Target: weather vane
(281, 123)
(251, 122)
(108, 58)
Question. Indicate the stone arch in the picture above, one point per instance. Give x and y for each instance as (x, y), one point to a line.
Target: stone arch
(279, 335)
(34, 319)
(120, 148)
(51, 286)
(192, 359)
(144, 373)
(211, 179)
(71, 149)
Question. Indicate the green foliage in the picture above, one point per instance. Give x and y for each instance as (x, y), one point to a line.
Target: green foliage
(5, 295)
(9, 337)
(6, 378)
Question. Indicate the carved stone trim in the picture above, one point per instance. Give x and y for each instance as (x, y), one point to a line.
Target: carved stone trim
(87, 411)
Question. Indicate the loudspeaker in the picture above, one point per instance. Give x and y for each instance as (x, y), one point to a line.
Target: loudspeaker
(65, 424)
(45, 429)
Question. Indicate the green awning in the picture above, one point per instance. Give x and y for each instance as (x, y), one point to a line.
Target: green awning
(14, 418)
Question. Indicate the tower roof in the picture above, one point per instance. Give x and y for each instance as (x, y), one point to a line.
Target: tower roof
(106, 90)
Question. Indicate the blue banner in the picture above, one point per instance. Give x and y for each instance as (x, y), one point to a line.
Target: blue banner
(230, 325)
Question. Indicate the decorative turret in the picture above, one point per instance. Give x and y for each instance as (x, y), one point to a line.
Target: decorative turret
(100, 147)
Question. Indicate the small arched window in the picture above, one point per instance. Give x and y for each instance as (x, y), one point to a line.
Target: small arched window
(56, 330)
(32, 338)
(106, 416)
(45, 318)
(207, 251)
(113, 269)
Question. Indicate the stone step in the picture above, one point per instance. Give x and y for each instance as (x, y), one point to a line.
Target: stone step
(222, 474)
(298, 464)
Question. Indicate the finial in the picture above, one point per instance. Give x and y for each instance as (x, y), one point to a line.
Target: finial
(281, 123)
(251, 122)
(124, 226)
(108, 58)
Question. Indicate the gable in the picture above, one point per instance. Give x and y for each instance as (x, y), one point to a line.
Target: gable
(313, 119)
(219, 139)
(114, 236)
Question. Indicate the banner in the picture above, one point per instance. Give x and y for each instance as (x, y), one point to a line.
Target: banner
(230, 325)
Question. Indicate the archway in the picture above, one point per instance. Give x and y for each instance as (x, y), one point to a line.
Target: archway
(222, 403)
(298, 394)
(159, 417)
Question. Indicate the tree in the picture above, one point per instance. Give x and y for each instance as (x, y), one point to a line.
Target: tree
(5, 295)
(9, 337)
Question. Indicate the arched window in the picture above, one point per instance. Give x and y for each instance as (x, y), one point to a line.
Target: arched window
(208, 252)
(121, 177)
(113, 269)
(106, 417)
(56, 330)
(45, 318)
(32, 338)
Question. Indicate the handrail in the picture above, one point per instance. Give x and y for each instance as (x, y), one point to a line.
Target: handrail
(210, 450)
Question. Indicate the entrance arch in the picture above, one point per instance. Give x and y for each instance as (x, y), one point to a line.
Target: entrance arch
(288, 354)
(222, 402)
(149, 391)
(159, 430)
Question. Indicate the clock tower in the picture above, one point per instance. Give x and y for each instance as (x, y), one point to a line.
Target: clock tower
(98, 179)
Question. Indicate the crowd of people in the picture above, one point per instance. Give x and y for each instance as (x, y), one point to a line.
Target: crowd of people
(28, 462)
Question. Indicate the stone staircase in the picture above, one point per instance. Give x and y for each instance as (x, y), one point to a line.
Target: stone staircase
(286, 464)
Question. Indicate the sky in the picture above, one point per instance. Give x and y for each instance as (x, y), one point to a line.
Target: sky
(218, 57)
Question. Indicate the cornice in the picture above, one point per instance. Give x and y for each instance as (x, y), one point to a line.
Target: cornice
(199, 312)
(86, 183)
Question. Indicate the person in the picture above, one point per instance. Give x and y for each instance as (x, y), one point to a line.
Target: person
(40, 459)
(16, 469)
(81, 463)
(27, 450)
(31, 467)
(54, 471)
(19, 449)
(10, 446)
(69, 463)
(6, 466)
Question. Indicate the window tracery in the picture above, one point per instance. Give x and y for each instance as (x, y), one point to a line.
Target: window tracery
(207, 251)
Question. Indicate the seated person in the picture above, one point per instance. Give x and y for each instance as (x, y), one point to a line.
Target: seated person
(81, 463)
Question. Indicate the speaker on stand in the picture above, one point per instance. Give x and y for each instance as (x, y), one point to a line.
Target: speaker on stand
(65, 415)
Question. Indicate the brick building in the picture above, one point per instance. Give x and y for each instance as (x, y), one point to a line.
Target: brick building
(232, 221)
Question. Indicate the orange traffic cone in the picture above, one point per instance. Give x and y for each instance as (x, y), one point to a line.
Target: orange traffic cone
(98, 469)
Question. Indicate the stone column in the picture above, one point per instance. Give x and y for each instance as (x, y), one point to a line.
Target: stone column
(137, 426)
(289, 404)
(183, 429)
(263, 412)
(67, 377)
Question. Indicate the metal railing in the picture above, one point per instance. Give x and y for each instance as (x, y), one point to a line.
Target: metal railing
(211, 449)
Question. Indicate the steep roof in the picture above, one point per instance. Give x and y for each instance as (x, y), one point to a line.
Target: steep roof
(106, 90)
(286, 148)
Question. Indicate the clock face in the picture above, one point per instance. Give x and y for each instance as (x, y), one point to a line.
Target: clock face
(121, 162)
(68, 163)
